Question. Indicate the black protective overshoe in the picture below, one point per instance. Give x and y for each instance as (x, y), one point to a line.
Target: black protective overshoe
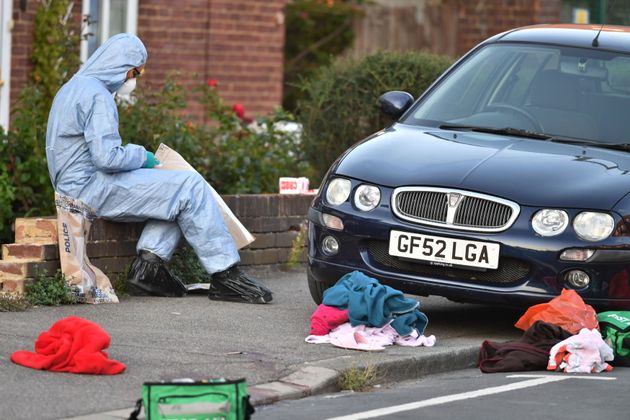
(149, 276)
(235, 286)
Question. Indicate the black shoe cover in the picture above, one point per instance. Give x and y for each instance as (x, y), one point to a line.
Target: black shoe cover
(149, 276)
(235, 286)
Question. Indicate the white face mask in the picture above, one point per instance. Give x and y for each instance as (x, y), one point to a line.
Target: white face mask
(127, 87)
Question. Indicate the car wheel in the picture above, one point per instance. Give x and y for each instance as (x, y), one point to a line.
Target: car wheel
(317, 288)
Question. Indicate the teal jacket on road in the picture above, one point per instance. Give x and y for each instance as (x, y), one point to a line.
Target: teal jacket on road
(373, 304)
(87, 161)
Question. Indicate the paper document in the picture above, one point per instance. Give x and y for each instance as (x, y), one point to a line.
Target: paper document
(170, 159)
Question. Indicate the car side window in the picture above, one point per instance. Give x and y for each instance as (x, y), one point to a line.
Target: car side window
(618, 75)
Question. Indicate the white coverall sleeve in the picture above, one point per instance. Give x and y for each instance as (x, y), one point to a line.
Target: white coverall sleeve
(104, 142)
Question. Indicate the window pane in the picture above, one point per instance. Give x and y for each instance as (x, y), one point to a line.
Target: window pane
(618, 76)
(117, 17)
(94, 39)
(467, 85)
(560, 91)
(521, 78)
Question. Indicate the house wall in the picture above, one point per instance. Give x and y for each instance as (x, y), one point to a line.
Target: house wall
(239, 43)
(275, 220)
(21, 47)
(450, 27)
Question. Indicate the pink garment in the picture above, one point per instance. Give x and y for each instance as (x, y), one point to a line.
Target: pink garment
(584, 352)
(371, 338)
(326, 318)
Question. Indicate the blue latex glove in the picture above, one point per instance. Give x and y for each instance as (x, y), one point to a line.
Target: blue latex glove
(151, 161)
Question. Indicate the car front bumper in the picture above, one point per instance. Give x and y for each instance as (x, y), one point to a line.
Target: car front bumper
(529, 272)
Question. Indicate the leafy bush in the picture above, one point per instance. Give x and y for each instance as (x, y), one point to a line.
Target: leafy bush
(119, 283)
(186, 265)
(234, 154)
(49, 291)
(340, 105)
(358, 379)
(13, 303)
(297, 247)
(25, 188)
(7, 190)
(317, 31)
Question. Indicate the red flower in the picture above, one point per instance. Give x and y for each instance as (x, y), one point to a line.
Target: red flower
(239, 111)
(212, 83)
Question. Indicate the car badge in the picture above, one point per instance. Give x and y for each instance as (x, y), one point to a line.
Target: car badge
(453, 199)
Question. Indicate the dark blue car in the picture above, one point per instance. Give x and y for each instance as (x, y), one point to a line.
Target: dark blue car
(505, 182)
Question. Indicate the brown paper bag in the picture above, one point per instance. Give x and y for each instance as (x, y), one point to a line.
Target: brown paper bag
(170, 159)
(87, 282)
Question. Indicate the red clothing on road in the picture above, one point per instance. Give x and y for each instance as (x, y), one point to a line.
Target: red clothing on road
(71, 345)
(326, 318)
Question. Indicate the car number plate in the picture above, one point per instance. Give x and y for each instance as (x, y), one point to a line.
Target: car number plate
(444, 251)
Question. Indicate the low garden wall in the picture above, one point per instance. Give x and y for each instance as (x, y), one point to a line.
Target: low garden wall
(274, 219)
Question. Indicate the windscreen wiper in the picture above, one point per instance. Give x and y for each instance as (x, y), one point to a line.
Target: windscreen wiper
(518, 132)
(613, 146)
(582, 142)
(508, 131)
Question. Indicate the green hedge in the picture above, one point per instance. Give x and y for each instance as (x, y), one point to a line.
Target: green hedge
(235, 154)
(341, 100)
(316, 32)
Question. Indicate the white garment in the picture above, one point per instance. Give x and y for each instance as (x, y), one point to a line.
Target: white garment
(584, 352)
(374, 336)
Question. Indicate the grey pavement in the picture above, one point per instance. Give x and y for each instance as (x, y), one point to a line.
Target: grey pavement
(193, 337)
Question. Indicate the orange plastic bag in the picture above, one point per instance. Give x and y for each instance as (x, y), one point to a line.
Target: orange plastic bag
(567, 311)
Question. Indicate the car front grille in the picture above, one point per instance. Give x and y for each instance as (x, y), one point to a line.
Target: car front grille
(510, 270)
(423, 205)
(456, 209)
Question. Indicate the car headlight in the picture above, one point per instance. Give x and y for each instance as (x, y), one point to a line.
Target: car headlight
(592, 226)
(550, 222)
(367, 197)
(338, 191)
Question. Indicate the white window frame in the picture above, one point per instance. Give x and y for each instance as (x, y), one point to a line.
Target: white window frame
(6, 26)
(131, 24)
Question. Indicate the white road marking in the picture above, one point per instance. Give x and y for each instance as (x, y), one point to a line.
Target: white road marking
(537, 380)
(592, 377)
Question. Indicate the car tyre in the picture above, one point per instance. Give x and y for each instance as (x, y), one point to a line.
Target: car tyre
(317, 288)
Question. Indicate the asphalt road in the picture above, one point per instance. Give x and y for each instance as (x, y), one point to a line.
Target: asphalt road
(472, 395)
(167, 338)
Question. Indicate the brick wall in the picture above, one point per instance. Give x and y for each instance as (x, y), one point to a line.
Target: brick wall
(177, 40)
(450, 27)
(21, 47)
(548, 11)
(478, 20)
(275, 220)
(238, 42)
(247, 51)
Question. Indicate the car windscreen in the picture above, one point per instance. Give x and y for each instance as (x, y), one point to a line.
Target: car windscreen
(558, 91)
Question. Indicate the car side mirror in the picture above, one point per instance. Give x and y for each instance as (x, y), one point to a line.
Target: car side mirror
(394, 103)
